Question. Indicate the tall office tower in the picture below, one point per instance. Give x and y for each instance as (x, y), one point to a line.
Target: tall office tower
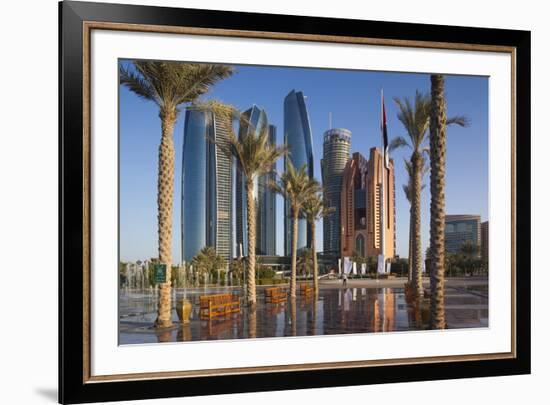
(206, 198)
(298, 139)
(270, 204)
(461, 229)
(336, 148)
(361, 215)
(264, 197)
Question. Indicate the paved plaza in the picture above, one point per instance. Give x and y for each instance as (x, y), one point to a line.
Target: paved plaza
(363, 306)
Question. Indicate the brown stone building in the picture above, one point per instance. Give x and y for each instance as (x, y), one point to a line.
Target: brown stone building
(361, 206)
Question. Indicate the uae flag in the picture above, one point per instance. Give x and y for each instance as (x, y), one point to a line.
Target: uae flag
(384, 128)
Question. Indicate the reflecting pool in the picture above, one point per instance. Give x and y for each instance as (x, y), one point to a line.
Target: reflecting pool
(336, 311)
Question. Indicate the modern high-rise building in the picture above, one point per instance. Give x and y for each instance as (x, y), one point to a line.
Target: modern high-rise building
(206, 206)
(460, 229)
(270, 204)
(298, 140)
(264, 196)
(336, 149)
(361, 209)
(485, 241)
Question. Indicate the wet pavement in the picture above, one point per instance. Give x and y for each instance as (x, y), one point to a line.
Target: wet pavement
(360, 308)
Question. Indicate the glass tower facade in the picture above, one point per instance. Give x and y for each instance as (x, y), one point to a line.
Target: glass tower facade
(298, 139)
(460, 229)
(206, 203)
(336, 149)
(264, 197)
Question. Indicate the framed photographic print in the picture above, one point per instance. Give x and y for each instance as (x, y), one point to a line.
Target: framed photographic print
(255, 202)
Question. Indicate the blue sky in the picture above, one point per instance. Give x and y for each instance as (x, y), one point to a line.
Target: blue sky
(353, 98)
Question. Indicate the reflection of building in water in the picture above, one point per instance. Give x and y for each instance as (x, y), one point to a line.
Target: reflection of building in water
(360, 206)
(347, 300)
(383, 311)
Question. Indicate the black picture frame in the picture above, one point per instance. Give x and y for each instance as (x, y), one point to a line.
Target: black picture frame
(73, 387)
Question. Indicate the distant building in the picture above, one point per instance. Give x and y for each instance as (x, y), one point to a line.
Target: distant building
(264, 196)
(460, 229)
(485, 241)
(298, 140)
(336, 149)
(206, 209)
(361, 218)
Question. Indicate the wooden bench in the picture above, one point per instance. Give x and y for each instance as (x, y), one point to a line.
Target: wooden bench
(275, 295)
(218, 305)
(306, 290)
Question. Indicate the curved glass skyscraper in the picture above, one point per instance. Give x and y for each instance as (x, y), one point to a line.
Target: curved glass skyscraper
(336, 149)
(206, 206)
(264, 197)
(298, 139)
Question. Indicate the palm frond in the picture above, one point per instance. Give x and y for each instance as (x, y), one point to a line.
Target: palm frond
(398, 142)
(170, 84)
(460, 120)
(137, 84)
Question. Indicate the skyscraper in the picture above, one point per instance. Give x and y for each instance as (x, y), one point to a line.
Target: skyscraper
(461, 229)
(206, 209)
(264, 197)
(336, 148)
(298, 139)
(361, 207)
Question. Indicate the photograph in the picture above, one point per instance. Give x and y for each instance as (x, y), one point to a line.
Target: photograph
(269, 202)
(260, 201)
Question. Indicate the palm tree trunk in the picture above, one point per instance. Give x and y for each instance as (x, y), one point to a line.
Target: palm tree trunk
(417, 162)
(438, 123)
(294, 253)
(165, 202)
(315, 269)
(251, 262)
(410, 243)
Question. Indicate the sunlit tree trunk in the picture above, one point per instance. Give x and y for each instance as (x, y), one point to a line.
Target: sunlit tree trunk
(315, 266)
(410, 244)
(165, 201)
(294, 252)
(417, 163)
(438, 123)
(251, 262)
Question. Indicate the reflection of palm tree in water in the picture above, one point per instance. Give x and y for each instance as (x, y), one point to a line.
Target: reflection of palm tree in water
(165, 336)
(252, 321)
(293, 316)
(184, 333)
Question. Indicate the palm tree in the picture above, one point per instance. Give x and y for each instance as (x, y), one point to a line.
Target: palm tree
(256, 157)
(304, 261)
(297, 187)
(416, 120)
(407, 189)
(168, 85)
(313, 210)
(438, 128)
(207, 261)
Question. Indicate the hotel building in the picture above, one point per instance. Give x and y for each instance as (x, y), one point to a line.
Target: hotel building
(361, 207)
